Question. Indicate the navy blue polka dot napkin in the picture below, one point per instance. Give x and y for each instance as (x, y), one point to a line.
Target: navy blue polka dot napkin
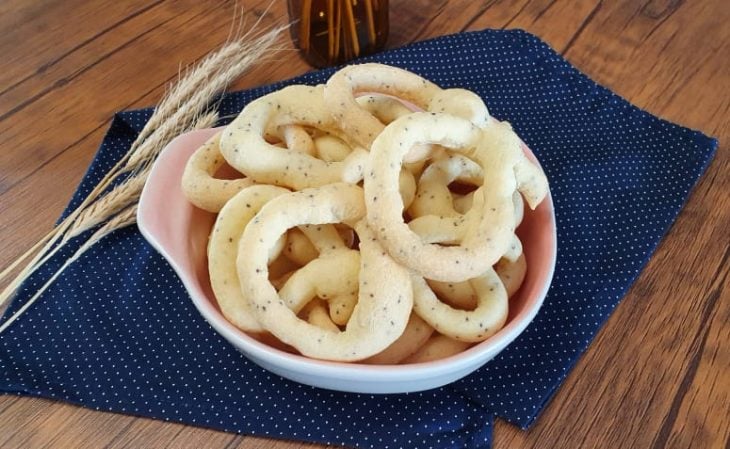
(117, 331)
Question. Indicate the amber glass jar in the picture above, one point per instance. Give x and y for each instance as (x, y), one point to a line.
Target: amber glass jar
(330, 32)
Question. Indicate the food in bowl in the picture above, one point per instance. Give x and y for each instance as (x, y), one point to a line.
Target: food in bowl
(373, 230)
(471, 257)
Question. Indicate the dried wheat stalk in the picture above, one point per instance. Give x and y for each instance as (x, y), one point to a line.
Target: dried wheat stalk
(191, 80)
(238, 62)
(88, 218)
(123, 195)
(184, 108)
(121, 220)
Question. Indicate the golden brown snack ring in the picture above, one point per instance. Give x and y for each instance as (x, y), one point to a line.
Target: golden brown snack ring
(484, 243)
(385, 294)
(199, 183)
(244, 146)
(223, 250)
(342, 87)
(475, 325)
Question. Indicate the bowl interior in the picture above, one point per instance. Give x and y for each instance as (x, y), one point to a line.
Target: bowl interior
(179, 231)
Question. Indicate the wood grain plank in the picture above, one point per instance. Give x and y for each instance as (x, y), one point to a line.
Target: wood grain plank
(620, 402)
(655, 375)
(267, 443)
(413, 16)
(19, 415)
(652, 60)
(42, 421)
(34, 38)
(175, 435)
(446, 20)
(67, 429)
(76, 61)
(6, 401)
(697, 418)
(85, 102)
(539, 17)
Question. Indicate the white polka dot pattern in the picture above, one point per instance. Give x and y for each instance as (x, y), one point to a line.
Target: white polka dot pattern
(117, 331)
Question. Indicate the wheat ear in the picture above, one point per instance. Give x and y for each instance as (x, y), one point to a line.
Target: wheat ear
(246, 55)
(178, 113)
(123, 219)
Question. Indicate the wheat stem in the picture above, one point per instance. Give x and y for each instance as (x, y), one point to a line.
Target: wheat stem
(122, 196)
(123, 219)
(41, 256)
(117, 199)
(207, 120)
(234, 61)
(183, 108)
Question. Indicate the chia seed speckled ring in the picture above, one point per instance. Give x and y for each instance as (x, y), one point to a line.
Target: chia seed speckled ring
(223, 250)
(244, 146)
(198, 181)
(385, 296)
(484, 243)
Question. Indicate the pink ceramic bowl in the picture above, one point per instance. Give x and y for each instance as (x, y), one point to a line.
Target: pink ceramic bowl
(180, 231)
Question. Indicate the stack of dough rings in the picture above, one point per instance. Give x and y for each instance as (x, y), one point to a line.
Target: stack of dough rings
(372, 218)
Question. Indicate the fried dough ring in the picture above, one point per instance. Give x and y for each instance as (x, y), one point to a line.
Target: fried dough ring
(462, 203)
(298, 139)
(364, 119)
(385, 294)
(333, 277)
(385, 109)
(331, 148)
(433, 196)
(459, 295)
(199, 183)
(437, 347)
(485, 241)
(223, 249)
(305, 243)
(244, 146)
(475, 325)
(316, 314)
(531, 181)
(512, 273)
(453, 229)
(461, 103)
(482, 302)
(415, 335)
(363, 126)
(298, 248)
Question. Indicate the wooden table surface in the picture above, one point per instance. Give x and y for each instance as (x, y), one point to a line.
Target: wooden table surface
(657, 375)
